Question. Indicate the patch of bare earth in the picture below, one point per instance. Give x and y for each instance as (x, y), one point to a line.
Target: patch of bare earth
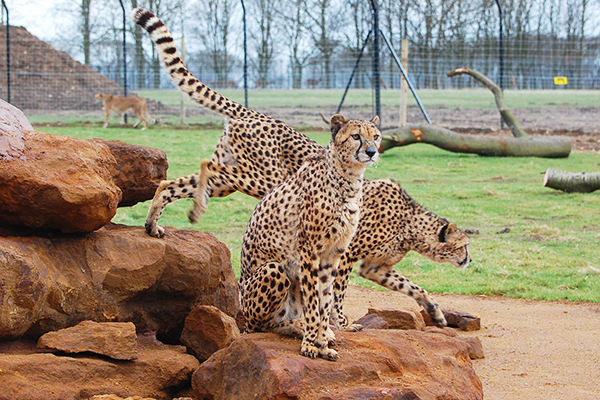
(534, 350)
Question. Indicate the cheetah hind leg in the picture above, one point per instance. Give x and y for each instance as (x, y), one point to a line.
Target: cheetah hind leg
(201, 193)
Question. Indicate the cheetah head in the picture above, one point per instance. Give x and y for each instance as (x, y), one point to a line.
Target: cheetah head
(451, 245)
(100, 96)
(356, 141)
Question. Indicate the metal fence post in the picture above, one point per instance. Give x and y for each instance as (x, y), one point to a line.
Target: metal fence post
(124, 57)
(7, 52)
(245, 58)
(501, 54)
(376, 59)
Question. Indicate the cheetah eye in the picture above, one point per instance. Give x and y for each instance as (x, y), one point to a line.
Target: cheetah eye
(376, 137)
(356, 136)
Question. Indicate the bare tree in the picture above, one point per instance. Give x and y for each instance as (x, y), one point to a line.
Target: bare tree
(324, 28)
(214, 30)
(265, 11)
(295, 27)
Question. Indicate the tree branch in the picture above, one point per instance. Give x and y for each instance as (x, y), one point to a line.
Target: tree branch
(507, 116)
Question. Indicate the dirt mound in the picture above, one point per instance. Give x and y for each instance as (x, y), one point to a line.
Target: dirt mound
(43, 78)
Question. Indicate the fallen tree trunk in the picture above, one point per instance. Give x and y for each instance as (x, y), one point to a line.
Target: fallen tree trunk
(484, 145)
(580, 182)
(521, 145)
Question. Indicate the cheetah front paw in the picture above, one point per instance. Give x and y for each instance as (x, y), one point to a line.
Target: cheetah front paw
(309, 350)
(437, 315)
(328, 354)
(353, 328)
(154, 230)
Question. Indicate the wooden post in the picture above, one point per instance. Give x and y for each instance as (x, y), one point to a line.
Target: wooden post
(403, 83)
(182, 95)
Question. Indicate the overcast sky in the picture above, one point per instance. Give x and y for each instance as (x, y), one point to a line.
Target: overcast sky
(37, 16)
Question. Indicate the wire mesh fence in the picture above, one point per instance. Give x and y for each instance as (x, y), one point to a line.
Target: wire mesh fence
(44, 78)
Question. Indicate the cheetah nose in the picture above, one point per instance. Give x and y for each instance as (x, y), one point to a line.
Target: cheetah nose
(371, 151)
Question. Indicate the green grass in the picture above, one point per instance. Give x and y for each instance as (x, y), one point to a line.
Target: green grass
(450, 98)
(551, 252)
(360, 99)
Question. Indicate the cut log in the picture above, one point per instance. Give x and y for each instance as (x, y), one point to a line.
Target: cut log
(507, 116)
(581, 182)
(484, 145)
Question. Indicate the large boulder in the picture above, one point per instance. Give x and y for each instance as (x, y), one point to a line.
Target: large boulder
(158, 372)
(139, 170)
(59, 183)
(117, 273)
(382, 364)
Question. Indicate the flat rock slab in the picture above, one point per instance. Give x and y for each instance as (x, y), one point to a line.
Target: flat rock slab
(373, 364)
(157, 373)
(116, 340)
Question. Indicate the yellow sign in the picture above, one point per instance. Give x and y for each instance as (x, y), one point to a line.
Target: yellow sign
(560, 80)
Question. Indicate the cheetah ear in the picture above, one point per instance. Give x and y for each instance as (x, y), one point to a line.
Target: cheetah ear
(336, 123)
(446, 231)
(375, 120)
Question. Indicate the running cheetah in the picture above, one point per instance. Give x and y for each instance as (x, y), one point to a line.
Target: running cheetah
(254, 154)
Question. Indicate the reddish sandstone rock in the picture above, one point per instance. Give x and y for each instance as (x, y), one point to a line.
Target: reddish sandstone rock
(117, 273)
(208, 329)
(139, 170)
(462, 320)
(12, 125)
(372, 364)
(399, 319)
(158, 373)
(372, 321)
(116, 340)
(59, 183)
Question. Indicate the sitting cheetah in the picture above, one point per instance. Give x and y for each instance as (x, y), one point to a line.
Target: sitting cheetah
(297, 235)
(392, 224)
(255, 153)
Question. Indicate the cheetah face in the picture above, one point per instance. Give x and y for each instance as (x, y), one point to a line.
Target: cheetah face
(358, 141)
(451, 245)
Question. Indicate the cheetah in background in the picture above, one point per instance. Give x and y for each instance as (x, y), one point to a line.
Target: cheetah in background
(392, 224)
(254, 154)
(297, 235)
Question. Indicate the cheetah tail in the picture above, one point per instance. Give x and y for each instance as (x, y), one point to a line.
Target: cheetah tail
(180, 76)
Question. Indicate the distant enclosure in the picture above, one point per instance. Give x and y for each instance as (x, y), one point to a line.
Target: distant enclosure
(43, 78)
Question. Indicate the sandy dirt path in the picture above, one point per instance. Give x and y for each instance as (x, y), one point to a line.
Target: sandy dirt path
(534, 350)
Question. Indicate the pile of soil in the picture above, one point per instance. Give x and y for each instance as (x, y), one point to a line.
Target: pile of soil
(43, 78)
